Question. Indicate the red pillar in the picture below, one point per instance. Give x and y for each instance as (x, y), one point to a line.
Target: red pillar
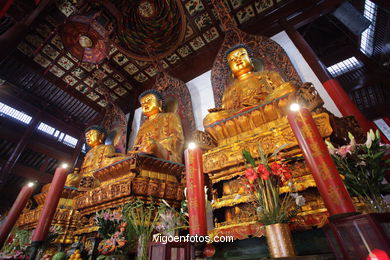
(15, 212)
(50, 206)
(334, 89)
(195, 191)
(325, 174)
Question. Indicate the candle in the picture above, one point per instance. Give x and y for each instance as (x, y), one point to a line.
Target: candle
(50, 206)
(324, 171)
(195, 191)
(14, 213)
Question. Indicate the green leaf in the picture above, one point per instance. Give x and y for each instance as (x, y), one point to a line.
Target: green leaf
(277, 150)
(248, 157)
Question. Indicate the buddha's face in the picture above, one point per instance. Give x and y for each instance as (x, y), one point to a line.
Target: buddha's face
(150, 105)
(239, 62)
(94, 137)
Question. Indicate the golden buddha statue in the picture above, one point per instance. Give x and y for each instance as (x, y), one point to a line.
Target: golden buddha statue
(73, 179)
(161, 134)
(99, 156)
(248, 88)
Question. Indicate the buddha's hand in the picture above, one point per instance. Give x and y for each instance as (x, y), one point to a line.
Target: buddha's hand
(149, 146)
(216, 109)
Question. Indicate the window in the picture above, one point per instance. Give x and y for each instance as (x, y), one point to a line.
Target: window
(15, 114)
(344, 66)
(70, 141)
(58, 135)
(367, 38)
(46, 128)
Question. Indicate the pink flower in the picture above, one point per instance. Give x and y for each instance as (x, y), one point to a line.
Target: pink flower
(106, 215)
(344, 150)
(263, 172)
(250, 174)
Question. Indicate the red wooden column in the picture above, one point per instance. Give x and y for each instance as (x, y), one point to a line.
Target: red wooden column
(14, 213)
(195, 191)
(48, 210)
(324, 171)
(332, 86)
(196, 198)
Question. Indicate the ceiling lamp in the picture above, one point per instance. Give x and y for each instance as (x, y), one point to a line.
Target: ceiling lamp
(87, 35)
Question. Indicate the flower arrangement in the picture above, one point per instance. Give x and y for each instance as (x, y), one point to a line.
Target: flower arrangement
(142, 219)
(116, 243)
(264, 182)
(363, 167)
(108, 222)
(16, 245)
(170, 219)
(112, 229)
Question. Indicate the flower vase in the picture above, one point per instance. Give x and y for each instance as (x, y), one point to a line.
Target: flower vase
(142, 248)
(279, 240)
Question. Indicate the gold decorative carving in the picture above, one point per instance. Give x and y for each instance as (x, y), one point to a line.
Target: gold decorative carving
(226, 156)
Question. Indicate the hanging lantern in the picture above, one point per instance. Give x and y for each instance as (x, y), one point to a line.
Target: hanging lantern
(87, 35)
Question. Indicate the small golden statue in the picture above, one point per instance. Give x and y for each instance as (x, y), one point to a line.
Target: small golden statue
(248, 88)
(73, 179)
(99, 156)
(161, 134)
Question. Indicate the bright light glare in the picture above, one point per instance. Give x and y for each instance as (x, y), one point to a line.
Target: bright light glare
(65, 165)
(30, 184)
(295, 107)
(191, 145)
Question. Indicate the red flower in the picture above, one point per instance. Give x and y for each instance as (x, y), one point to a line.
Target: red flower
(250, 174)
(276, 168)
(263, 172)
(281, 170)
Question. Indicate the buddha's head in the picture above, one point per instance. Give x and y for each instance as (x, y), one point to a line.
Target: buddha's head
(239, 60)
(95, 135)
(152, 102)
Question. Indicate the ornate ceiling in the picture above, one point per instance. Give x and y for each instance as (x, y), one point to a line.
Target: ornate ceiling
(168, 30)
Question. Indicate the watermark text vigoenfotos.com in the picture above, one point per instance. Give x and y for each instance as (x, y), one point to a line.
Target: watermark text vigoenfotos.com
(159, 238)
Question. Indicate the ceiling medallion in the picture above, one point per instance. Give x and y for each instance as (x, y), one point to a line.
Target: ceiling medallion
(85, 41)
(149, 29)
(146, 9)
(87, 35)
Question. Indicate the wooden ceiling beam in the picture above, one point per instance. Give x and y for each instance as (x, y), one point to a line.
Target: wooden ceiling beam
(14, 35)
(194, 64)
(17, 55)
(297, 14)
(383, 3)
(12, 132)
(123, 102)
(23, 101)
(31, 174)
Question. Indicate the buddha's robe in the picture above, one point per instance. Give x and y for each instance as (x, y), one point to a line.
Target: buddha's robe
(166, 131)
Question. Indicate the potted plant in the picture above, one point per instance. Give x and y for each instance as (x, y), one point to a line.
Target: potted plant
(273, 210)
(364, 167)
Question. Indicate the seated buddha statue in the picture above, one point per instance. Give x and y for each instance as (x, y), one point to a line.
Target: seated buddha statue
(99, 156)
(73, 179)
(161, 135)
(247, 88)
